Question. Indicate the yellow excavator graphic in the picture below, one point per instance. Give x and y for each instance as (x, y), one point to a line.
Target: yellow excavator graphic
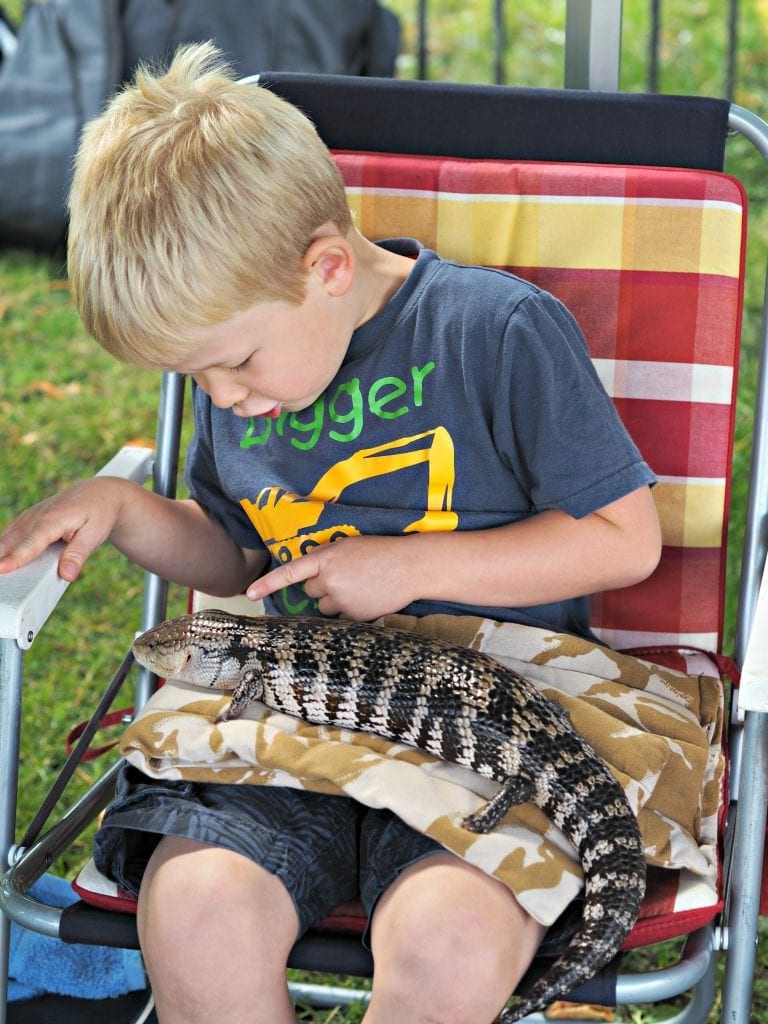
(285, 521)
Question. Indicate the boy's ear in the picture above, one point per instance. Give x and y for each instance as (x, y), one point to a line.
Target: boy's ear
(331, 260)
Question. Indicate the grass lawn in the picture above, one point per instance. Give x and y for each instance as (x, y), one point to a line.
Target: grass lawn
(65, 406)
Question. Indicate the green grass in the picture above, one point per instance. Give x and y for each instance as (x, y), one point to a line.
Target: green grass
(65, 406)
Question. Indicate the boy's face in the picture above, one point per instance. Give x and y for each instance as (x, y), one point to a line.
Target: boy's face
(274, 357)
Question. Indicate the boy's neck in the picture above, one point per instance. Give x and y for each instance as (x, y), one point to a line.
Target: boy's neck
(379, 274)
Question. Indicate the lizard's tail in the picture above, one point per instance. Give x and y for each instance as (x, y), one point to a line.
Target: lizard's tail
(578, 963)
(614, 885)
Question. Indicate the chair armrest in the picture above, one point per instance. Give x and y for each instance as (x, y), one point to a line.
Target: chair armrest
(753, 691)
(29, 595)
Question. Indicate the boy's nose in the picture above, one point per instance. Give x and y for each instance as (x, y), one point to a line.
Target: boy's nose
(223, 393)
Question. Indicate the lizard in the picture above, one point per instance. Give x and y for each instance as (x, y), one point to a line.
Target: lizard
(457, 704)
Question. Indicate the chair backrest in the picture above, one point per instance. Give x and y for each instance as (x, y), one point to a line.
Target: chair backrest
(644, 243)
(649, 260)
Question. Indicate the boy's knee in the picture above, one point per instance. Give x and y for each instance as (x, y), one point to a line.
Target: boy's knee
(459, 959)
(183, 873)
(193, 889)
(452, 941)
(456, 976)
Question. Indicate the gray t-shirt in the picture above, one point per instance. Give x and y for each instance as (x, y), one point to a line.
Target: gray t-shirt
(468, 402)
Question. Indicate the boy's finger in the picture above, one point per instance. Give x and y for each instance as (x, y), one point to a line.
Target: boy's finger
(298, 571)
(71, 563)
(77, 551)
(14, 556)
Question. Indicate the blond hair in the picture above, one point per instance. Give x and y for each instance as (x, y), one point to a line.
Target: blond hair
(194, 197)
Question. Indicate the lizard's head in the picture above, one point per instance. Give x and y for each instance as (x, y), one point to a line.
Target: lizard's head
(203, 648)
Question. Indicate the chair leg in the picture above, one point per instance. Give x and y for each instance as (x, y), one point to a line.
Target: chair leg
(5, 949)
(326, 995)
(746, 871)
(702, 998)
(11, 674)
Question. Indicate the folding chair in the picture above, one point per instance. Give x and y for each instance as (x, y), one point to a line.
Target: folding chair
(618, 205)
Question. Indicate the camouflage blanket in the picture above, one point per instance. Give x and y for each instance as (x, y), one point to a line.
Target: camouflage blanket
(659, 730)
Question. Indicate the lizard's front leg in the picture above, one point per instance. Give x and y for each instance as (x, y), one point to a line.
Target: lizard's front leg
(249, 689)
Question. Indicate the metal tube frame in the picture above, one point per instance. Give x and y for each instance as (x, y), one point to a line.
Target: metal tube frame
(11, 680)
(593, 44)
(164, 474)
(750, 761)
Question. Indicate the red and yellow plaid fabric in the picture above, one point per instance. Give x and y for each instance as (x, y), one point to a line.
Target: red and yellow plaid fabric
(650, 262)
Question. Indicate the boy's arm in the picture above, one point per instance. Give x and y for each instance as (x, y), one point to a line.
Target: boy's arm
(175, 539)
(547, 557)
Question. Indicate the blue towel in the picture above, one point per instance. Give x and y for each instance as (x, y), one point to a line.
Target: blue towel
(40, 964)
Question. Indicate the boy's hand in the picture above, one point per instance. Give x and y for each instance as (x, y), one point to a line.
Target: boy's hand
(82, 516)
(358, 578)
(547, 557)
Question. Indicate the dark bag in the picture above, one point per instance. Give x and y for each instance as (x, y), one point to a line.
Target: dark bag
(334, 37)
(71, 55)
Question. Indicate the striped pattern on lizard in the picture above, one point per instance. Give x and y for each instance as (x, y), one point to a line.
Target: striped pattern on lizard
(453, 702)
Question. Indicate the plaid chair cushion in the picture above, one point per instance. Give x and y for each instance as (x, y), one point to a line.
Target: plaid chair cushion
(649, 260)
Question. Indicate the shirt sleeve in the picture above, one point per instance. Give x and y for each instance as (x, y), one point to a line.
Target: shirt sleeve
(204, 479)
(553, 420)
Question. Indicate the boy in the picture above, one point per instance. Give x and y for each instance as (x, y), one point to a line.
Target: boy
(210, 235)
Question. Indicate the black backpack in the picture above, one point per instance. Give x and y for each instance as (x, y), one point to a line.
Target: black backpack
(70, 55)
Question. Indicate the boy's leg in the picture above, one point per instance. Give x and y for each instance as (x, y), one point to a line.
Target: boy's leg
(215, 931)
(239, 872)
(450, 944)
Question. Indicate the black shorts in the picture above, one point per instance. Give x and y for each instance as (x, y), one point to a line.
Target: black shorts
(326, 850)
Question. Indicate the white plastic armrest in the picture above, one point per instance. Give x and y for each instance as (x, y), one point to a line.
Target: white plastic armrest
(753, 691)
(29, 595)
